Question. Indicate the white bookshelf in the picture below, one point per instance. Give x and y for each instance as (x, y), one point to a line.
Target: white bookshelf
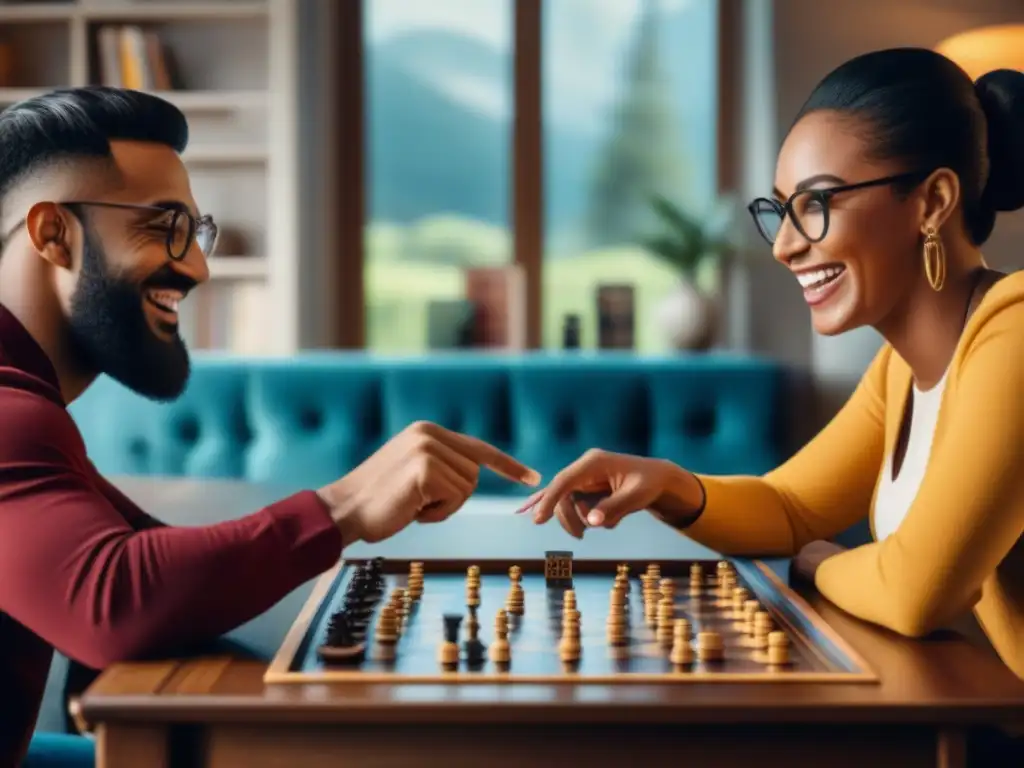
(236, 67)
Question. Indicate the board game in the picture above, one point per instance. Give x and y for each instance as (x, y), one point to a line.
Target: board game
(558, 620)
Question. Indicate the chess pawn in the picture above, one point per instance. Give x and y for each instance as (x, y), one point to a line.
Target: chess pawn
(778, 649)
(710, 646)
(515, 573)
(472, 596)
(501, 623)
(750, 609)
(762, 628)
(515, 603)
(386, 633)
(739, 596)
(500, 651)
(666, 613)
(682, 651)
(569, 645)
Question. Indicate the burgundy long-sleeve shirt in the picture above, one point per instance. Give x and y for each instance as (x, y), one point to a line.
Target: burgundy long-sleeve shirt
(85, 571)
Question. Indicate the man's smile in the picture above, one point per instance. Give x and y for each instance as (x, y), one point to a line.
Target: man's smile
(165, 302)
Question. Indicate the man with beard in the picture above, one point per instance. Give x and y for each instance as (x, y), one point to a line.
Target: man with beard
(102, 240)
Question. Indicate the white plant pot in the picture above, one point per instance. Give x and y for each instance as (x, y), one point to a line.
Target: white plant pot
(686, 317)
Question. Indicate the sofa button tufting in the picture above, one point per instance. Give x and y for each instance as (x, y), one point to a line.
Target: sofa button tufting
(311, 420)
(699, 423)
(138, 448)
(565, 426)
(188, 429)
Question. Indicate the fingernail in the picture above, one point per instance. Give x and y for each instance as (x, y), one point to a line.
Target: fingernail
(595, 517)
(531, 477)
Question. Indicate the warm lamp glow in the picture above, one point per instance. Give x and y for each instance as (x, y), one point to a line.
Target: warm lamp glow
(981, 50)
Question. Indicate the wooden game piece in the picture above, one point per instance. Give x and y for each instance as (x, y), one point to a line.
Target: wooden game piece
(501, 623)
(682, 651)
(472, 596)
(474, 648)
(569, 645)
(558, 568)
(342, 643)
(387, 632)
(739, 597)
(762, 628)
(666, 615)
(750, 609)
(617, 622)
(778, 649)
(448, 653)
(696, 579)
(710, 646)
(414, 583)
(500, 651)
(515, 573)
(515, 603)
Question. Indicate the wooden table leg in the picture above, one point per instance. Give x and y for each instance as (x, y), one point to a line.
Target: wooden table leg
(130, 746)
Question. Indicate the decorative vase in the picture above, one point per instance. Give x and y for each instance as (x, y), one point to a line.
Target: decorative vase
(686, 318)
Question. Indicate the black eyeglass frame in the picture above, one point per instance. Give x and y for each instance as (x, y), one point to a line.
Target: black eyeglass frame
(194, 224)
(822, 195)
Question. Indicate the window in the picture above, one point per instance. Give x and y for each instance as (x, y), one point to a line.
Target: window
(439, 101)
(630, 100)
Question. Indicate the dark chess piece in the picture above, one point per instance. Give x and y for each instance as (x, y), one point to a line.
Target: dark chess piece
(476, 652)
(343, 642)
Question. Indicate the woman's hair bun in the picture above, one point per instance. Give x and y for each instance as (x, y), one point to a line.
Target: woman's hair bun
(1001, 93)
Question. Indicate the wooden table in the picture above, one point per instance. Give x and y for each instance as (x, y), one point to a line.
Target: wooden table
(218, 712)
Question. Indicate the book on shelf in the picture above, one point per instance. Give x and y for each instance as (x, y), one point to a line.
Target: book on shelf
(226, 317)
(498, 295)
(132, 57)
(616, 313)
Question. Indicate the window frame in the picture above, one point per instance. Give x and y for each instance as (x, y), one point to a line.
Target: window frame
(348, 321)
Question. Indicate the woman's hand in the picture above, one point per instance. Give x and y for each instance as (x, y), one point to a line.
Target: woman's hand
(601, 488)
(805, 564)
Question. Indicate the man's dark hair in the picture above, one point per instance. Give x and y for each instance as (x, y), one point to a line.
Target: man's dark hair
(921, 108)
(75, 123)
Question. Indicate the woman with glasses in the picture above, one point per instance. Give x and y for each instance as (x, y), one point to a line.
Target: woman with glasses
(887, 188)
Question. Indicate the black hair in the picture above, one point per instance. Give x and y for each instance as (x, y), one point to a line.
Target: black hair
(72, 123)
(921, 108)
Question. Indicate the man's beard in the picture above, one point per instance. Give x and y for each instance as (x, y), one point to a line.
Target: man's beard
(111, 334)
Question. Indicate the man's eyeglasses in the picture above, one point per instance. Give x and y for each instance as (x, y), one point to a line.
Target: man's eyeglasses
(182, 227)
(808, 209)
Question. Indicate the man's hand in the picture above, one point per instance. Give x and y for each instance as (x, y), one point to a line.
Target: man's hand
(805, 564)
(423, 474)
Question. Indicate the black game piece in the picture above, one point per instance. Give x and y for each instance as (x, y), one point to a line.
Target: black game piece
(475, 651)
(343, 642)
(558, 569)
(452, 622)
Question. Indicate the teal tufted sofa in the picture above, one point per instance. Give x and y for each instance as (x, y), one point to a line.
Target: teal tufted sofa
(303, 421)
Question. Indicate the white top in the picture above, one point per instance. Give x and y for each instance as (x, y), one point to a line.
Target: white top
(894, 497)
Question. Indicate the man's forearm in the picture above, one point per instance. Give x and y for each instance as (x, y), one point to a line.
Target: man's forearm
(101, 593)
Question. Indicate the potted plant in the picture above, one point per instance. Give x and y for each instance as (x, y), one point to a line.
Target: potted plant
(690, 246)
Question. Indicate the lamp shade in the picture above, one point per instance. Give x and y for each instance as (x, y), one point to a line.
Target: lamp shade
(984, 49)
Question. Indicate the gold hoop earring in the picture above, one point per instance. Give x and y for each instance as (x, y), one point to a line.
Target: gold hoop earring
(934, 259)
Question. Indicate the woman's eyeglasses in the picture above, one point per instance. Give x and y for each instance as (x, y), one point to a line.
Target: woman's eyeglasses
(808, 209)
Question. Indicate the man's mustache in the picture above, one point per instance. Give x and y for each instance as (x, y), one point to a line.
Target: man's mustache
(169, 279)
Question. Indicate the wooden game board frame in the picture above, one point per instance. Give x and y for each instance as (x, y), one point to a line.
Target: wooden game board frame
(787, 608)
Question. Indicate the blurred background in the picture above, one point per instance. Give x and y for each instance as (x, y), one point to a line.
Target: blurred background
(404, 176)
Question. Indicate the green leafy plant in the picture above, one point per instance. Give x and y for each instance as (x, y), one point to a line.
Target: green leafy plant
(685, 243)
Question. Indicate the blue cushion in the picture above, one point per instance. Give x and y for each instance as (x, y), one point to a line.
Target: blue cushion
(303, 421)
(59, 750)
